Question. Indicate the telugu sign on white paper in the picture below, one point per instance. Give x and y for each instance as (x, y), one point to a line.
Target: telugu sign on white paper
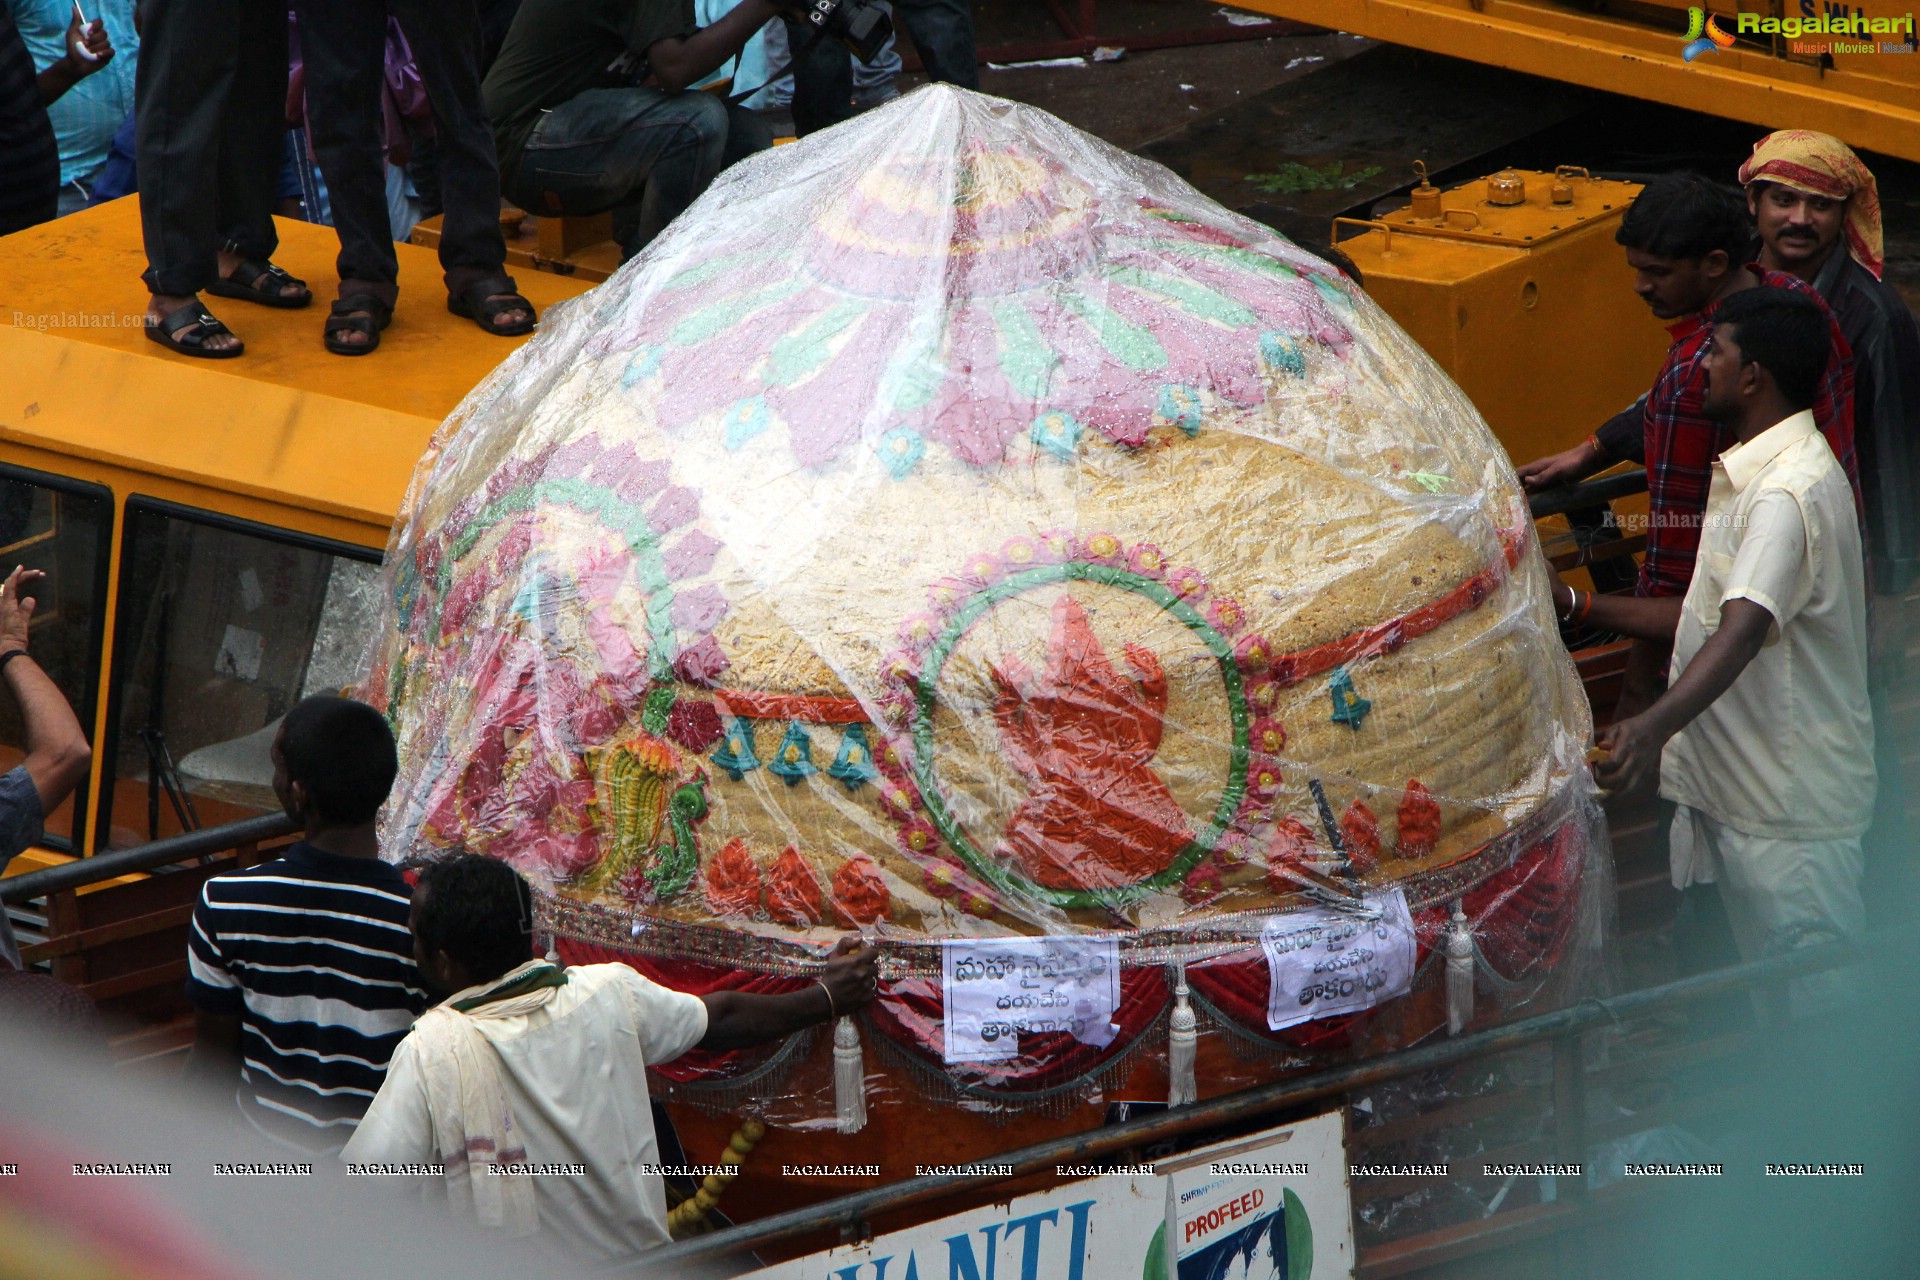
(1322, 962)
(996, 989)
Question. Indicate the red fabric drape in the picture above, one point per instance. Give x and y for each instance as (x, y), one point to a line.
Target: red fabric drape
(1524, 916)
(910, 1014)
(1522, 920)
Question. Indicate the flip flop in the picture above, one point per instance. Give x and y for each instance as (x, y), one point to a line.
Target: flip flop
(477, 303)
(168, 333)
(263, 283)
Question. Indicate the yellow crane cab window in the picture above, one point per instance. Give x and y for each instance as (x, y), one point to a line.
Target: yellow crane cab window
(222, 625)
(62, 527)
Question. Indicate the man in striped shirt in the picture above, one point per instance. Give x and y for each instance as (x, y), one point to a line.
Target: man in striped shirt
(301, 970)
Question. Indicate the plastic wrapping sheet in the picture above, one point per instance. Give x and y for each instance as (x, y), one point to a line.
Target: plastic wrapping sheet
(954, 527)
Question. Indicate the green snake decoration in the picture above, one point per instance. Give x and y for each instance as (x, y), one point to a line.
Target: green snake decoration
(675, 861)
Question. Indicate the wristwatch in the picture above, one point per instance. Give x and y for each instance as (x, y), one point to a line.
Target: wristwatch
(9, 656)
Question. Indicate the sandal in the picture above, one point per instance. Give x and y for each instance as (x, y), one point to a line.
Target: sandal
(342, 320)
(168, 333)
(478, 302)
(264, 281)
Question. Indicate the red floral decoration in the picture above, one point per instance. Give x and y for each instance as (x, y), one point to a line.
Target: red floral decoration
(1145, 559)
(1186, 582)
(1419, 821)
(1203, 884)
(793, 895)
(985, 569)
(1055, 546)
(945, 596)
(695, 725)
(1263, 694)
(979, 902)
(860, 893)
(897, 797)
(901, 667)
(1226, 615)
(919, 629)
(918, 839)
(1253, 653)
(733, 883)
(1102, 548)
(1362, 831)
(1017, 554)
(942, 879)
(1264, 779)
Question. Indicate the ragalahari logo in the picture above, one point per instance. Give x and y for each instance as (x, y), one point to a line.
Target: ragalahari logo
(1703, 34)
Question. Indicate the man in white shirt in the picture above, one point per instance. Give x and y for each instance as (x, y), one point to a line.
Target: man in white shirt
(1764, 738)
(530, 1066)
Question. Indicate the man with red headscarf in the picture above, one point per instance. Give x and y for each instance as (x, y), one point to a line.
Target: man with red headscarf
(1818, 212)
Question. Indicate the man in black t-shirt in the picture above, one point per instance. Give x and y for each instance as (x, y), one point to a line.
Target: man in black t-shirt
(591, 110)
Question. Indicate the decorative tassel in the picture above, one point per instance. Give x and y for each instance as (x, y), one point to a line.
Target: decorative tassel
(1459, 952)
(849, 1078)
(1182, 1045)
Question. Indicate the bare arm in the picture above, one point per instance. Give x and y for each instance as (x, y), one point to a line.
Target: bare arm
(88, 50)
(1643, 617)
(1634, 745)
(679, 62)
(57, 751)
(1619, 439)
(1569, 466)
(738, 1018)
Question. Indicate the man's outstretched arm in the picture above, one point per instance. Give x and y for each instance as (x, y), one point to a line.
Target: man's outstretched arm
(738, 1018)
(57, 751)
(1619, 439)
(1642, 617)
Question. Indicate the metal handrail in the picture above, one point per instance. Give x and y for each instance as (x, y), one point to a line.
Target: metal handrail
(851, 1210)
(1587, 493)
(145, 857)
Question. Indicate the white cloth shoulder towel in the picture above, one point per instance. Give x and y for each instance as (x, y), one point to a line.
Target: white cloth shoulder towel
(472, 1121)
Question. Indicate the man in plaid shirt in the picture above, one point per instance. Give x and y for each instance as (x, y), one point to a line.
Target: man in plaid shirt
(1685, 237)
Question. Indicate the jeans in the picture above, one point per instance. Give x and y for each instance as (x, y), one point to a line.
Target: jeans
(643, 153)
(75, 195)
(343, 43)
(210, 96)
(942, 31)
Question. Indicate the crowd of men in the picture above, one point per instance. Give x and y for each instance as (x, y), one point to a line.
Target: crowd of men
(1780, 440)
(567, 107)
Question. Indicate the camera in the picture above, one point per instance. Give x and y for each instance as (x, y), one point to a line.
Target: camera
(863, 27)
